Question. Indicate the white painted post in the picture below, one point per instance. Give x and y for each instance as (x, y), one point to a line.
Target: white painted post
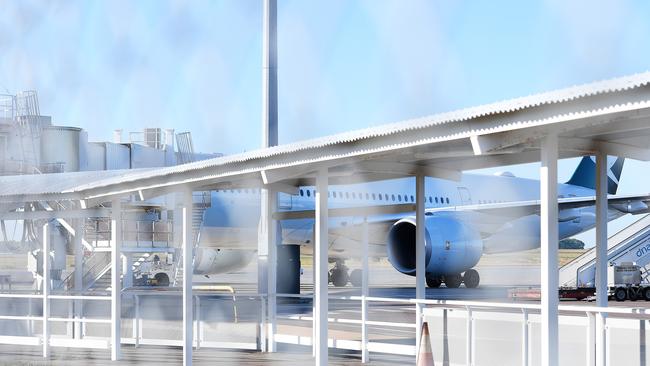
(46, 290)
(136, 320)
(420, 253)
(78, 273)
(267, 258)
(469, 346)
(525, 340)
(591, 339)
(127, 265)
(263, 324)
(601, 253)
(199, 323)
(188, 272)
(364, 292)
(116, 270)
(549, 250)
(320, 247)
(314, 259)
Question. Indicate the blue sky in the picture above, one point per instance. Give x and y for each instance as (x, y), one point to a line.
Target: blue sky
(343, 64)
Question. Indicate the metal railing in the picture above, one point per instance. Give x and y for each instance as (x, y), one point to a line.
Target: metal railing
(144, 233)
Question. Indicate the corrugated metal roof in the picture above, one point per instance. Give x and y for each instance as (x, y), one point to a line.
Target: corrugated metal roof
(44, 184)
(91, 180)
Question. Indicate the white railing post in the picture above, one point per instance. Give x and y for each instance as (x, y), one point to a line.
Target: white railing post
(262, 330)
(364, 293)
(198, 322)
(136, 320)
(525, 340)
(46, 290)
(116, 270)
(188, 272)
(591, 339)
(420, 253)
(469, 350)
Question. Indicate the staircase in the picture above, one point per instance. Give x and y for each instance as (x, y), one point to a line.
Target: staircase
(96, 267)
(631, 244)
(200, 202)
(28, 121)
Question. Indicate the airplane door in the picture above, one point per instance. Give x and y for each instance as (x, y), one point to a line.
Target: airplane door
(465, 196)
(284, 201)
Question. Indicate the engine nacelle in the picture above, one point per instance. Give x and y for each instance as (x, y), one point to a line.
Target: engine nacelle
(214, 261)
(451, 246)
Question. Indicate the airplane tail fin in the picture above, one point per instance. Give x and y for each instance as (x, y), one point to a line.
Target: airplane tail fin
(585, 173)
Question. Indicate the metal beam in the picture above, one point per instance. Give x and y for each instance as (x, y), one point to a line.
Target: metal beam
(549, 250)
(608, 148)
(188, 271)
(320, 249)
(116, 270)
(52, 214)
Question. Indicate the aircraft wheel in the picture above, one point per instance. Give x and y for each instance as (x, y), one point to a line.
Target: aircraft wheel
(471, 278)
(162, 279)
(646, 293)
(453, 281)
(620, 294)
(339, 277)
(356, 278)
(433, 281)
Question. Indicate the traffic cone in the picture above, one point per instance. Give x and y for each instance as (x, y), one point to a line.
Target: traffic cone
(425, 354)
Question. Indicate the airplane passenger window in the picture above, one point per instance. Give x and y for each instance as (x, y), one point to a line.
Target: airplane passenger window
(447, 199)
(386, 196)
(373, 196)
(334, 193)
(442, 200)
(412, 198)
(308, 193)
(399, 197)
(380, 196)
(367, 196)
(430, 199)
(347, 195)
(436, 199)
(392, 197)
(302, 193)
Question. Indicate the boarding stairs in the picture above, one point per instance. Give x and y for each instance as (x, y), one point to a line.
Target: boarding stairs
(28, 122)
(632, 244)
(200, 202)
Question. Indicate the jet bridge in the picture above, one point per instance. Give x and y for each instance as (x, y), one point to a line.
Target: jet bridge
(632, 244)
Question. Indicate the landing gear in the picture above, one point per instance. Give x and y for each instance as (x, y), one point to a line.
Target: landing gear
(356, 278)
(453, 281)
(434, 281)
(338, 275)
(471, 278)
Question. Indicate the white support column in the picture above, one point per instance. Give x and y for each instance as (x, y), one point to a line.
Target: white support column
(525, 340)
(267, 257)
(601, 254)
(127, 265)
(188, 272)
(549, 250)
(78, 273)
(314, 269)
(320, 248)
(116, 271)
(420, 252)
(364, 292)
(46, 290)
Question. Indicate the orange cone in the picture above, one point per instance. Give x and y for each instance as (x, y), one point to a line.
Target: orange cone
(425, 354)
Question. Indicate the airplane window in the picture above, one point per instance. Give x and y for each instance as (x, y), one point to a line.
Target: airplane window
(430, 199)
(399, 197)
(447, 199)
(436, 199)
(347, 195)
(308, 193)
(334, 193)
(380, 196)
(412, 198)
(392, 197)
(367, 196)
(302, 193)
(373, 196)
(386, 196)
(442, 200)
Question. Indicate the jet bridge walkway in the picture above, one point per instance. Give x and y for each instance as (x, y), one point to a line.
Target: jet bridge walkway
(632, 244)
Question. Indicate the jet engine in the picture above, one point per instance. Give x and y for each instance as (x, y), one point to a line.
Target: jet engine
(451, 246)
(214, 261)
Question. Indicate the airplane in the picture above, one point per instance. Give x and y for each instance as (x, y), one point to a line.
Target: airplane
(479, 214)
